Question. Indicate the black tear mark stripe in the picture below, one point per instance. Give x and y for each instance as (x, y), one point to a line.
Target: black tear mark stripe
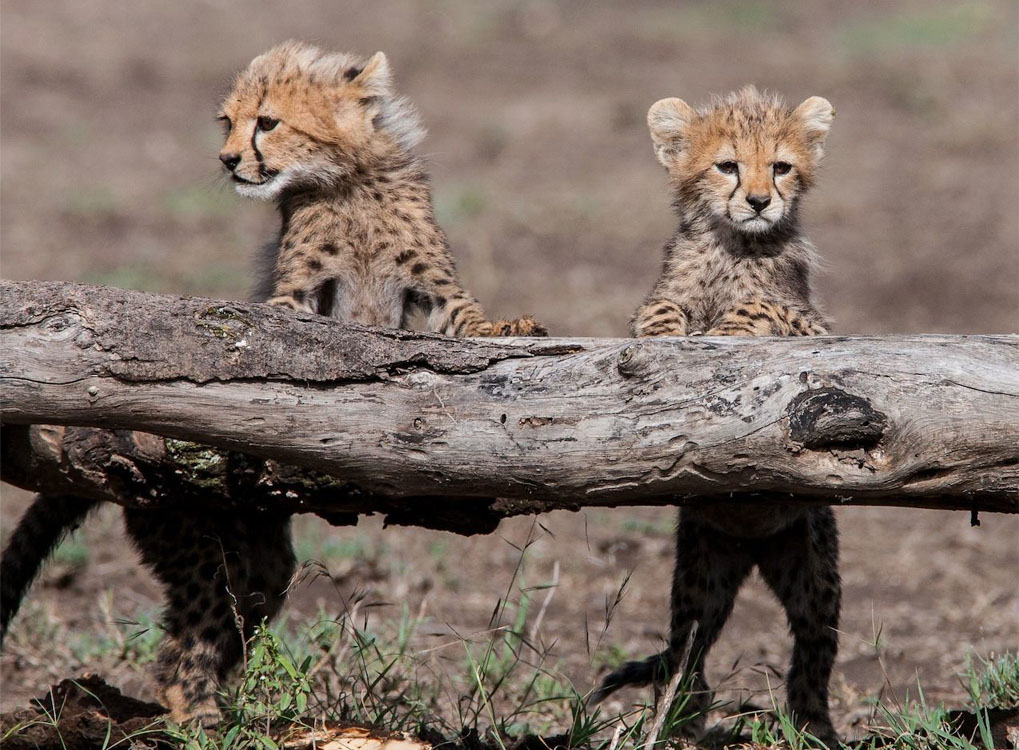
(254, 131)
(739, 181)
(258, 154)
(775, 183)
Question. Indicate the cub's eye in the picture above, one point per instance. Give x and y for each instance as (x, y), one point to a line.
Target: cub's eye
(225, 121)
(727, 167)
(782, 167)
(266, 123)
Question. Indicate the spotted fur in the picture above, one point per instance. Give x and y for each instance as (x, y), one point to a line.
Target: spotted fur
(222, 572)
(731, 269)
(739, 265)
(323, 135)
(326, 138)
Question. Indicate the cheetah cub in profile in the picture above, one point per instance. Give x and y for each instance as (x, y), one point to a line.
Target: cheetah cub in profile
(325, 137)
(739, 265)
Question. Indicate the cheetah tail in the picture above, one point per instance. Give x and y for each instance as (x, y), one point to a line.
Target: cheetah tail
(653, 669)
(38, 533)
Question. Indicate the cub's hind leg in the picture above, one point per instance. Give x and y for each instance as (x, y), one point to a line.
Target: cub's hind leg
(222, 573)
(710, 568)
(800, 564)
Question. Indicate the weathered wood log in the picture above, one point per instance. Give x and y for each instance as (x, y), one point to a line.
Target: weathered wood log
(924, 421)
(140, 470)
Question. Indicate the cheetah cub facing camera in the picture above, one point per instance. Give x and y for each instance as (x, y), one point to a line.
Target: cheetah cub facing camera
(739, 265)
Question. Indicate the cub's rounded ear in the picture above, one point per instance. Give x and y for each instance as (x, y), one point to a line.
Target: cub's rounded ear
(669, 121)
(816, 114)
(374, 77)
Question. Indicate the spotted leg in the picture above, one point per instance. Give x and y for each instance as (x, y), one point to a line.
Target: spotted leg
(800, 564)
(222, 573)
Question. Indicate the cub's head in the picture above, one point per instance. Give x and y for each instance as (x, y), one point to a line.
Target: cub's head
(744, 160)
(299, 119)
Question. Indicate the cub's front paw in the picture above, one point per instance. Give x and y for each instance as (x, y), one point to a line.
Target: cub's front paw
(522, 326)
(290, 302)
(816, 329)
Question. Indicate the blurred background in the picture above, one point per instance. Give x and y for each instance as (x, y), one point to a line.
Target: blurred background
(546, 184)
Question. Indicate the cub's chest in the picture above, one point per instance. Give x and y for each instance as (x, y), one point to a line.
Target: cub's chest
(366, 283)
(710, 284)
(375, 299)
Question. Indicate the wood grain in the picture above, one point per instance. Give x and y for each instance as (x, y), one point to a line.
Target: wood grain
(923, 421)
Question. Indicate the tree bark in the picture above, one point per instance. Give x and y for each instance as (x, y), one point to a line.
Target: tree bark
(140, 470)
(422, 421)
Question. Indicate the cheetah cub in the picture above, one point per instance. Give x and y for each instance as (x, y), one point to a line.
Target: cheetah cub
(739, 265)
(325, 137)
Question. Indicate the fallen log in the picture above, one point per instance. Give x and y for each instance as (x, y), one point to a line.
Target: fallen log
(140, 470)
(922, 421)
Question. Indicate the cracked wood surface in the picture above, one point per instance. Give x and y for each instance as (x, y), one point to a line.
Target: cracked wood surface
(924, 421)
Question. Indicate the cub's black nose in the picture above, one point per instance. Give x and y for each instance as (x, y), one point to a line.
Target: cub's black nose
(230, 161)
(757, 202)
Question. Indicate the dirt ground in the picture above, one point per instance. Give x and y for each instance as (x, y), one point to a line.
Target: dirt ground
(545, 181)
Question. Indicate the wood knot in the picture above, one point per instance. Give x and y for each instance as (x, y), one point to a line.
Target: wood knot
(631, 360)
(830, 417)
(60, 323)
